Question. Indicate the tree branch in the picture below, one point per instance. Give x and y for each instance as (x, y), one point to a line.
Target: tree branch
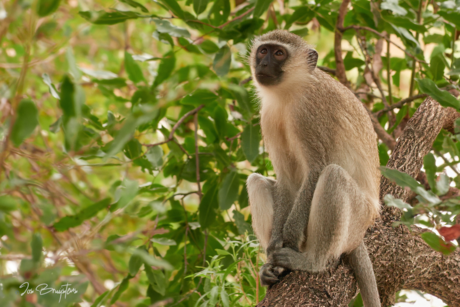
(340, 66)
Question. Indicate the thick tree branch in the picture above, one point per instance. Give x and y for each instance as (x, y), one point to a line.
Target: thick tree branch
(401, 259)
(340, 66)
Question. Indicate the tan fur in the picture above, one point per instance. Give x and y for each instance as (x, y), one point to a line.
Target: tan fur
(323, 148)
(332, 112)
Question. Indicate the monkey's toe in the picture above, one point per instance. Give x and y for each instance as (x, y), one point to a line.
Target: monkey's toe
(267, 276)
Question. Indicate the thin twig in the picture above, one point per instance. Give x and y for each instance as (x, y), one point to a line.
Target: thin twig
(179, 122)
(383, 36)
(399, 104)
(236, 18)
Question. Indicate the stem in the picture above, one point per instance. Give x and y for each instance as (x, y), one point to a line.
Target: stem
(390, 96)
(412, 77)
(454, 34)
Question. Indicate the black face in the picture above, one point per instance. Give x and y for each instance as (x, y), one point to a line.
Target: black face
(270, 59)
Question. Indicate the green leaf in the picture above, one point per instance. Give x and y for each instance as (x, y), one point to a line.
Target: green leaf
(188, 45)
(220, 121)
(148, 259)
(393, 6)
(209, 46)
(391, 201)
(85, 214)
(165, 38)
(121, 288)
(224, 295)
(37, 246)
(241, 224)
(250, 140)
(445, 98)
(129, 190)
(199, 6)
(443, 184)
(51, 86)
(164, 241)
(135, 262)
(133, 69)
(208, 204)
(143, 115)
(261, 7)
(213, 296)
(108, 18)
(155, 156)
(25, 123)
(46, 7)
(67, 102)
(228, 192)
(429, 163)
(437, 243)
(437, 67)
(242, 97)
(222, 61)
(156, 279)
(101, 299)
(451, 16)
(351, 62)
(403, 22)
(8, 203)
(174, 7)
(133, 149)
(166, 67)
(199, 97)
(219, 12)
(164, 26)
(302, 13)
(454, 72)
(135, 4)
(400, 178)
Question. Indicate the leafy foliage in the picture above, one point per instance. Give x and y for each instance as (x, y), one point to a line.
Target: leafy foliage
(128, 129)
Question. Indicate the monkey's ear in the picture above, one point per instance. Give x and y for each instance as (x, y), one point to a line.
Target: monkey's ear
(312, 57)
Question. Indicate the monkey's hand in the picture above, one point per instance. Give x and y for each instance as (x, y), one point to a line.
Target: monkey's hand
(269, 274)
(276, 243)
(292, 260)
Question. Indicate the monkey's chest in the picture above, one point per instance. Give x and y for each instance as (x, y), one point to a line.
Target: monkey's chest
(286, 153)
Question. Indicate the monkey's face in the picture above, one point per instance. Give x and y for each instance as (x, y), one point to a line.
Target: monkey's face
(270, 59)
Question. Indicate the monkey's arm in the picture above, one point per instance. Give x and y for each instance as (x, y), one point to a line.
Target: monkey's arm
(283, 205)
(296, 224)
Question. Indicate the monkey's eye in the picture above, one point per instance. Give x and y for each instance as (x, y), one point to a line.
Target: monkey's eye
(263, 51)
(279, 53)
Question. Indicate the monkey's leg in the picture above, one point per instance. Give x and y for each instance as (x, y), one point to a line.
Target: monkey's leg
(260, 191)
(261, 194)
(338, 220)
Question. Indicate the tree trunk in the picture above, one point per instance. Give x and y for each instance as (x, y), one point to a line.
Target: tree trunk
(401, 259)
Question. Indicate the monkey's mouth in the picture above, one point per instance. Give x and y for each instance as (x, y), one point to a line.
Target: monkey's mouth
(263, 75)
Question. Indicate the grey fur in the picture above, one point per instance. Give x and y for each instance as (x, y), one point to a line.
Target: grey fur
(323, 149)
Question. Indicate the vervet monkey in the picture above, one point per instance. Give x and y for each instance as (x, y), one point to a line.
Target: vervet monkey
(324, 152)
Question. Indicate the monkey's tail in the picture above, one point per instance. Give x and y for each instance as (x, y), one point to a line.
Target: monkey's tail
(362, 266)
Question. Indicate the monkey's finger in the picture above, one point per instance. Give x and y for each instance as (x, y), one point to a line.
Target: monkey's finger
(278, 270)
(267, 279)
(282, 258)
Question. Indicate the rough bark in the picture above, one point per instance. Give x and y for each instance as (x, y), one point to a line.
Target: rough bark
(401, 259)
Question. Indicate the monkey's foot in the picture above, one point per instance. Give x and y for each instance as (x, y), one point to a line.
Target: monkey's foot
(294, 261)
(269, 274)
